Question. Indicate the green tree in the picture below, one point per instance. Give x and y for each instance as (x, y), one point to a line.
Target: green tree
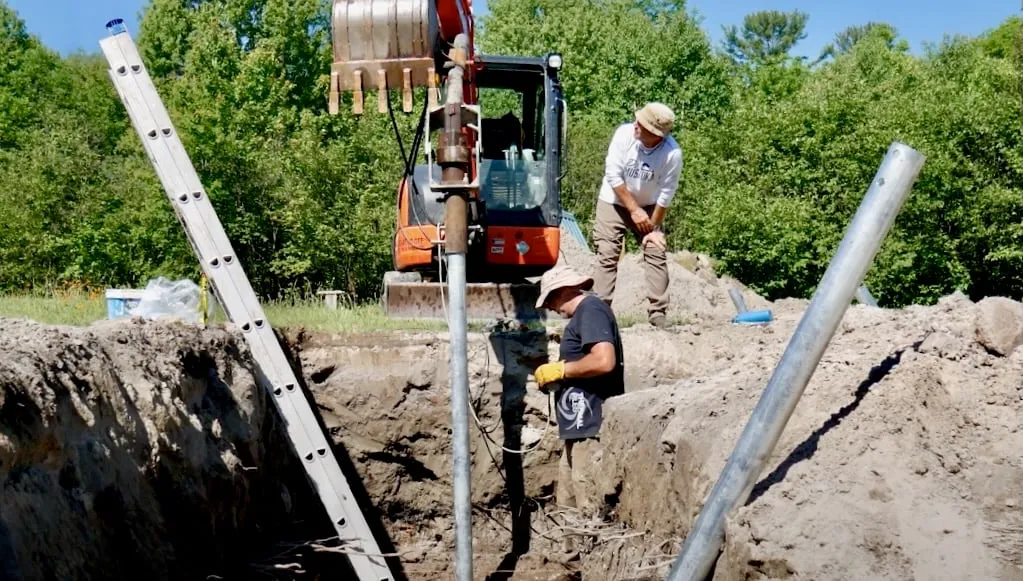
(766, 36)
(777, 153)
(618, 54)
(847, 39)
(1005, 40)
(798, 168)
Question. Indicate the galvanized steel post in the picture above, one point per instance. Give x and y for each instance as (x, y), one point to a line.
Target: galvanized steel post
(737, 300)
(453, 156)
(864, 297)
(863, 238)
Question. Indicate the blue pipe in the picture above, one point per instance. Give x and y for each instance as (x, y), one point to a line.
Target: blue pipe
(753, 317)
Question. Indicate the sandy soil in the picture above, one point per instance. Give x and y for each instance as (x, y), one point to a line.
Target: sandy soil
(141, 451)
(696, 292)
(901, 460)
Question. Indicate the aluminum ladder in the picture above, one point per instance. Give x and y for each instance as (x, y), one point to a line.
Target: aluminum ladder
(234, 291)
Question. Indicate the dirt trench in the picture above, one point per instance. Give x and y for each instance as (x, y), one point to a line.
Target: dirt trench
(901, 460)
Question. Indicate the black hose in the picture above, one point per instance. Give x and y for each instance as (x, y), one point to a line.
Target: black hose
(409, 160)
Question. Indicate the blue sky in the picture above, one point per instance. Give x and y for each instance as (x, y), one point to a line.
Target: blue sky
(69, 25)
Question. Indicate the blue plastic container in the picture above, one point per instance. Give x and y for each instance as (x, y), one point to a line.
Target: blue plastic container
(120, 302)
(753, 317)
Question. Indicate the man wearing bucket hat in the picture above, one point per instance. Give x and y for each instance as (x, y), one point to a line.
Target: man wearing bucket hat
(641, 175)
(590, 369)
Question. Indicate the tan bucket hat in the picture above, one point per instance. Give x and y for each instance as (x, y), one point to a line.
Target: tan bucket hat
(561, 276)
(657, 118)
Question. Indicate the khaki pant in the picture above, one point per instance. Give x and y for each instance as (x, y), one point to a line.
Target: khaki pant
(609, 231)
(570, 491)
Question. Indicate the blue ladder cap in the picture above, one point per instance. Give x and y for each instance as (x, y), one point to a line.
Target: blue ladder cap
(116, 26)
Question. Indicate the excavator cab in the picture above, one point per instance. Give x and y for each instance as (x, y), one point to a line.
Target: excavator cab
(515, 218)
(516, 215)
(514, 126)
(521, 165)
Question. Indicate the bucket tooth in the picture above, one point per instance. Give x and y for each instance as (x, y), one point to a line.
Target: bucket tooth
(483, 301)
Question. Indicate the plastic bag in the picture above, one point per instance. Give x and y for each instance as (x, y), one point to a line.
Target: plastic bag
(164, 298)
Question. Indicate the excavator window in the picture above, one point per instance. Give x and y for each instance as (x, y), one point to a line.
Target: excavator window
(513, 175)
(520, 147)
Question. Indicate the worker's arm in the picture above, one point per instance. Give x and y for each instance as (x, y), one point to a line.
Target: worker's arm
(614, 168)
(658, 217)
(600, 360)
(597, 330)
(669, 185)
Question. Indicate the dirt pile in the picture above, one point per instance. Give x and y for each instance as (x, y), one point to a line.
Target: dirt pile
(901, 460)
(138, 451)
(696, 292)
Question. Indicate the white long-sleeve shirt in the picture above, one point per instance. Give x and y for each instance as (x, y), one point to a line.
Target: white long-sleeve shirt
(650, 174)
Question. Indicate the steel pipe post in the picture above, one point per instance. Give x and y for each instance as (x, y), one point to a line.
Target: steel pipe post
(864, 297)
(737, 300)
(454, 161)
(863, 238)
(460, 453)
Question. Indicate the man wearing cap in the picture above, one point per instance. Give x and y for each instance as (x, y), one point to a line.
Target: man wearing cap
(641, 175)
(591, 369)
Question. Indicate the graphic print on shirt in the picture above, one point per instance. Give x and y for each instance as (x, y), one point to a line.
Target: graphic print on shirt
(638, 170)
(574, 408)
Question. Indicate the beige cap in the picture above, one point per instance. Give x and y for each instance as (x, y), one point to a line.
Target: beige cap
(657, 118)
(561, 276)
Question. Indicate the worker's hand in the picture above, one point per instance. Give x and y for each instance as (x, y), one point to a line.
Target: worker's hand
(641, 220)
(657, 239)
(548, 373)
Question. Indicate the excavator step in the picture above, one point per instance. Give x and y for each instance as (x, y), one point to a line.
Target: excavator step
(407, 298)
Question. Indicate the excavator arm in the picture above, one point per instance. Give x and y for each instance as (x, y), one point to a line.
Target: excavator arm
(412, 44)
(477, 215)
(506, 167)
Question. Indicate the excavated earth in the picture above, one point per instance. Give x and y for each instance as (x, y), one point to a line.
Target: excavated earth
(135, 449)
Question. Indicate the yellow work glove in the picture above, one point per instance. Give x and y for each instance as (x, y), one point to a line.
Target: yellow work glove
(549, 373)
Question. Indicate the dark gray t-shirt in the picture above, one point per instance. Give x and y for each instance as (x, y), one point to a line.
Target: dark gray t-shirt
(580, 401)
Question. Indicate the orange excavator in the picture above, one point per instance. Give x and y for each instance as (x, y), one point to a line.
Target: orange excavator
(501, 131)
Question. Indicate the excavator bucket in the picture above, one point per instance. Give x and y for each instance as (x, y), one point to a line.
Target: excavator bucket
(381, 45)
(408, 298)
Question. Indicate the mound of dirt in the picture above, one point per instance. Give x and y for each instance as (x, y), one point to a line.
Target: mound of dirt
(696, 292)
(901, 460)
(134, 450)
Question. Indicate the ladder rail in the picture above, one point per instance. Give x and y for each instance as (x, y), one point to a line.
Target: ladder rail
(234, 291)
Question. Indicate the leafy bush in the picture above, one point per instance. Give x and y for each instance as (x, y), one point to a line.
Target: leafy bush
(778, 151)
